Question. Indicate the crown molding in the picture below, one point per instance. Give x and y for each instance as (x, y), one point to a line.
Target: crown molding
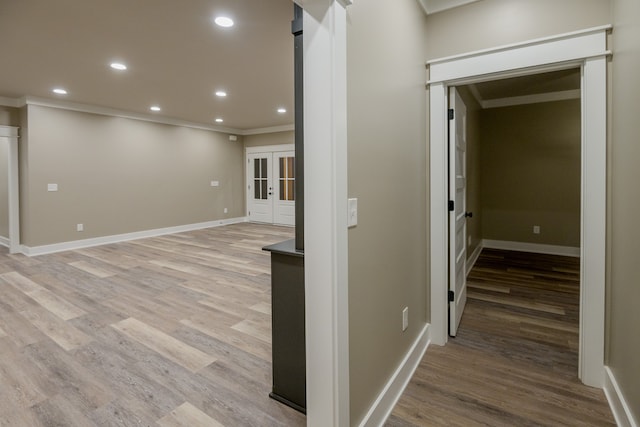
(9, 102)
(113, 112)
(434, 6)
(272, 129)
(106, 111)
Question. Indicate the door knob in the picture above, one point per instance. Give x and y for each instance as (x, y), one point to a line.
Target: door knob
(468, 214)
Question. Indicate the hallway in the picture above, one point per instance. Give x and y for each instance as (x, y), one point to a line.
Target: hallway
(515, 359)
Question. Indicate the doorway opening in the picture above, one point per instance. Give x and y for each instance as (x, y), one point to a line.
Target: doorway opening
(518, 141)
(587, 51)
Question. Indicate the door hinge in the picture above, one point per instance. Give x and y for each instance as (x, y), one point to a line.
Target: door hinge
(450, 113)
(451, 206)
(452, 296)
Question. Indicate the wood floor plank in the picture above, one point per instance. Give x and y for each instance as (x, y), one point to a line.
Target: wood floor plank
(63, 363)
(20, 388)
(92, 269)
(514, 360)
(58, 411)
(257, 326)
(262, 307)
(20, 282)
(241, 340)
(187, 415)
(48, 300)
(173, 349)
(61, 332)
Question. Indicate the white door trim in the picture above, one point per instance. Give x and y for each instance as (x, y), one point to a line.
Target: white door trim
(10, 134)
(585, 49)
(325, 213)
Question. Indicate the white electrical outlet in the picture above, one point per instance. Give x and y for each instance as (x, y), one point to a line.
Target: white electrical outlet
(80, 227)
(226, 210)
(405, 319)
(536, 229)
(215, 183)
(52, 187)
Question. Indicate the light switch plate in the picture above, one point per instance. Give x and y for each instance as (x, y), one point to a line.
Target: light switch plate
(405, 319)
(52, 187)
(352, 220)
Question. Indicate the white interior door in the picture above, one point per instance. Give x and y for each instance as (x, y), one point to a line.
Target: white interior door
(284, 208)
(457, 214)
(260, 187)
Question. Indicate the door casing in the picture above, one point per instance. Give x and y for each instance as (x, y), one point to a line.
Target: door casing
(586, 50)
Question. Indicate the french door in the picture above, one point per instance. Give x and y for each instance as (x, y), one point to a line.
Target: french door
(270, 186)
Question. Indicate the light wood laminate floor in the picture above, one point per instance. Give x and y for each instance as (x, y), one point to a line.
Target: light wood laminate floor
(514, 361)
(166, 331)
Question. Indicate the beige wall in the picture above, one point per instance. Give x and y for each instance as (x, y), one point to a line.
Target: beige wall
(530, 173)
(9, 116)
(387, 173)
(492, 23)
(275, 138)
(624, 286)
(474, 187)
(118, 175)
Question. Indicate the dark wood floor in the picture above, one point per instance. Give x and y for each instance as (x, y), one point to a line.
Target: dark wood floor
(514, 361)
(168, 331)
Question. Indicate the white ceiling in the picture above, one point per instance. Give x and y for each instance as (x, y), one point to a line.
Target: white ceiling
(535, 88)
(176, 57)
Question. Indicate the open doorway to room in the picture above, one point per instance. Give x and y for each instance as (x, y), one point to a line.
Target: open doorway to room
(522, 160)
(586, 50)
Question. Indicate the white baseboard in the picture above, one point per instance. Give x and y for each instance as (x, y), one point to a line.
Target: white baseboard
(97, 241)
(388, 397)
(532, 247)
(619, 407)
(474, 257)
(4, 241)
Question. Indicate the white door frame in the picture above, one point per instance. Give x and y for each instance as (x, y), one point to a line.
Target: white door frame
(325, 213)
(247, 170)
(585, 49)
(10, 135)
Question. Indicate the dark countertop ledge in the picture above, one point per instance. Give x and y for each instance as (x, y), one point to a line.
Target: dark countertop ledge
(288, 247)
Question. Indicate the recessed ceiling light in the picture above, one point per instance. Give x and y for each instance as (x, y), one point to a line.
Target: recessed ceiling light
(282, 110)
(219, 120)
(59, 91)
(224, 21)
(221, 93)
(155, 108)
(118, 66)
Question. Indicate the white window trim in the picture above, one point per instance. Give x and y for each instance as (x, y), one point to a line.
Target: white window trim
(587, 50)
